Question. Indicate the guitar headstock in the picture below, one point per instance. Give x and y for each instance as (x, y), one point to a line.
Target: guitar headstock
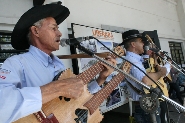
(126, 67)
(119, 51)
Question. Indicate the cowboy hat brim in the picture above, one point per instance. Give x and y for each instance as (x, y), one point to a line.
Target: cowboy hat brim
(19, 38)
(131, 37)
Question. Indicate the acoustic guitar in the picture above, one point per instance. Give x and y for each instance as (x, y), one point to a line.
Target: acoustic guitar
(153, 61)
(64, 110)
(160, 82)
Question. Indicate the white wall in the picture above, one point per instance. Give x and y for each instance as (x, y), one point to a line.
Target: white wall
(160, 15)
(181, 14)
(10, 11)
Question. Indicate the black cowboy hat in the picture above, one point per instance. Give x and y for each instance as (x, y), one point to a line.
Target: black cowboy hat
(131, 34)
(19, 38)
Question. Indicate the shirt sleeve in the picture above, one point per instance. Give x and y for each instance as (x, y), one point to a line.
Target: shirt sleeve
(93, 87)
(135, 72)
(168, 67)
(16, 101)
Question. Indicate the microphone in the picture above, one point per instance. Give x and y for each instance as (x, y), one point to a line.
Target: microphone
(146, 48)
(74, 41)
(155, 50)
(158, 50)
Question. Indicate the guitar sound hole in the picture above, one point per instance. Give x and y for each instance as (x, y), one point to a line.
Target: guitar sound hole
(66, 99)
(81, 115)
(60, 97)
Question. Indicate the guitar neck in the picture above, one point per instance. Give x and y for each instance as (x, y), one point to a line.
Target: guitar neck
(91, 72)
(101, 95)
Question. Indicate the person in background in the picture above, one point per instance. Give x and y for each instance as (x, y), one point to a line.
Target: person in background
(26, 80)
(133, 42)
(181, 80)
(174, 85)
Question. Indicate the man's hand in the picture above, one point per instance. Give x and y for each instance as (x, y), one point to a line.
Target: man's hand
(70, 88)
(107, 70)
(161, 71)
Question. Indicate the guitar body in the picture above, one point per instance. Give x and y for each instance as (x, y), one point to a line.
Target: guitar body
(160, 82)
(167, 79)
(64, 111)
(28, 119)
(162, 85)
(67, 110)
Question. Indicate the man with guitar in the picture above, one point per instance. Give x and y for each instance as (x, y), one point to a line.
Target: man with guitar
(26, 80)
(133, 42)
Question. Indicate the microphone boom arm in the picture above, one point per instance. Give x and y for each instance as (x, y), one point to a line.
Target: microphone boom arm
(169, 62)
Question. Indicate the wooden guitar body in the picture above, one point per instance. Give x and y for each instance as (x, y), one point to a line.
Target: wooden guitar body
(71, 111)
(67, 110)
(160, 82)
(28, 119)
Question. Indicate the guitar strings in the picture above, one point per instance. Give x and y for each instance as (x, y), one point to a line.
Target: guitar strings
(86, 110)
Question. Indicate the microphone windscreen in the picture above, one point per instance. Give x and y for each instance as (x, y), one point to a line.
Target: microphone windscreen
(146, 48)
(63, 42)
(154, 50)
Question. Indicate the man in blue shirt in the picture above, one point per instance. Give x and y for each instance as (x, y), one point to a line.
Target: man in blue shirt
(133, 43)
(26, 80)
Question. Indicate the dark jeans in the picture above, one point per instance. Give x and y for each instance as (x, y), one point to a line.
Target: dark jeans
(175, 87)
(143, 117)
(164, 112)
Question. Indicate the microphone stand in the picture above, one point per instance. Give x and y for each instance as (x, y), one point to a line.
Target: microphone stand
(175, 66)
(151, 42)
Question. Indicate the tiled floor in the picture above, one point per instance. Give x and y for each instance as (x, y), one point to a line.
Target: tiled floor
(121, 114)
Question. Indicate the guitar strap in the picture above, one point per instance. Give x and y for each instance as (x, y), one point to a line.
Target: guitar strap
(140, 92)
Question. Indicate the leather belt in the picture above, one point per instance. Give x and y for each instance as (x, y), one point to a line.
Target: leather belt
(136, 102)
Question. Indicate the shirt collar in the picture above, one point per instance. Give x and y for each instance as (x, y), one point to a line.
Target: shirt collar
(40, 55)
(134, 55)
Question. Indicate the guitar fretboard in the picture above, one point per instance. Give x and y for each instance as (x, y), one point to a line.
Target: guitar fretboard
(90, 73)
(101, 95)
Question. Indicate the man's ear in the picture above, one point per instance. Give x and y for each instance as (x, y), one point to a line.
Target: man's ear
(34, 30)
(132, 44)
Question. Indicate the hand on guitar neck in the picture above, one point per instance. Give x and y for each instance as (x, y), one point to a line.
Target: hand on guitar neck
(107, 70)
(112, 60)
(72, 87)
(158, 65)
(156, 70)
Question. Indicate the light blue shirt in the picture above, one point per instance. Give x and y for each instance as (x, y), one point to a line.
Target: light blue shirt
(20, 78)
(136, 73)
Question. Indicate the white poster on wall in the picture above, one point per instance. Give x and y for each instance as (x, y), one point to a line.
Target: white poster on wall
(119, 95)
